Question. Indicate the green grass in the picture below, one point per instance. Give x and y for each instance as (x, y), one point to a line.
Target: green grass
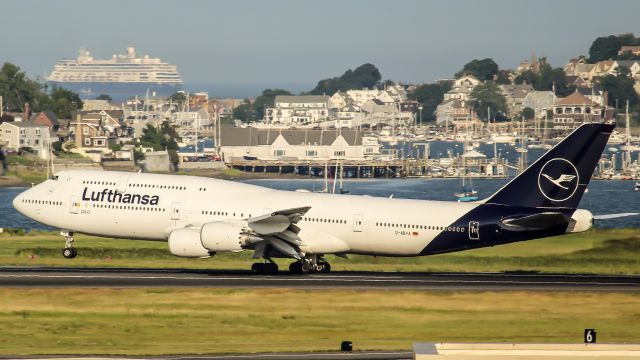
(614, 251)
(199, 321)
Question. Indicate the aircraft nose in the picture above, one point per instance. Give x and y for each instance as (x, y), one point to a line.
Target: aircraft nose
(18, 202)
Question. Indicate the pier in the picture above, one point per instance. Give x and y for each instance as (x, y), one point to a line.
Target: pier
(454, 167)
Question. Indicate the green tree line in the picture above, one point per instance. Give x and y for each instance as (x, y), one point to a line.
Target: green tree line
(17, 89)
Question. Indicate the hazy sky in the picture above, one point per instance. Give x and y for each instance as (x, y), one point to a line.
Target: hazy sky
(298, 42)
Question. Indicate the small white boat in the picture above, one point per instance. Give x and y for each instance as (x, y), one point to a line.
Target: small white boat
(637, 188)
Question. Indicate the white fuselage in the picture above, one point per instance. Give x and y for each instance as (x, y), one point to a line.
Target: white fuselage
(150, 206)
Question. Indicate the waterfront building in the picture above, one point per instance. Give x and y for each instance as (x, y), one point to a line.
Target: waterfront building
(98, 105)
(461, 88)
(47, 118)
(514, 96)
(453, 111)
(298, 110)
(96, 130)
(539, 101)
(634, 50)
(571, 111)
(17, 135)
(296, 144)
(191, 119)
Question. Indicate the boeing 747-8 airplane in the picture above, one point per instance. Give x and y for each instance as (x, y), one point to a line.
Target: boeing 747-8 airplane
(200, 217)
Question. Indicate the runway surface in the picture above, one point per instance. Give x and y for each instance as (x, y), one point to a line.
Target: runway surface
(108, 277)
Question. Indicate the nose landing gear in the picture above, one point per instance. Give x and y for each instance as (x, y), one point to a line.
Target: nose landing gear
(69, 251)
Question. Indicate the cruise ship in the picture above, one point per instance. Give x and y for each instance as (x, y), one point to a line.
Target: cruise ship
(121, 77)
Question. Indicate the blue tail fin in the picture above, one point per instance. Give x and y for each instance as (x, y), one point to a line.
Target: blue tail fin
(560, 176)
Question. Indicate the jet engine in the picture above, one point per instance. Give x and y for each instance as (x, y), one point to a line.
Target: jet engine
(223, 236)
(581, 220)
(186, 243)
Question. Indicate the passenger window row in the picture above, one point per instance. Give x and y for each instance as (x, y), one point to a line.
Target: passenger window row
(423, 227)
(42, 202)
(324, 220)
(221, 213)
(154, 186)
(98, 182)
(128, 207)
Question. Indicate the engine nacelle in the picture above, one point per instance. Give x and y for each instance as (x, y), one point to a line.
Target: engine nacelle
(223, 236)
(186, 243)
(581, 220)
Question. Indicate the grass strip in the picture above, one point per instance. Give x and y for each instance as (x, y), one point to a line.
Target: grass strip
(203, 321)
(615, 251)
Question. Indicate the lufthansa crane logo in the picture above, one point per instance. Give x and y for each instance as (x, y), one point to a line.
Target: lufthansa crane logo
(558, 180)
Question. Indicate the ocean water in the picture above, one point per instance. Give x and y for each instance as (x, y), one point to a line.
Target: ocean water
(603, 197)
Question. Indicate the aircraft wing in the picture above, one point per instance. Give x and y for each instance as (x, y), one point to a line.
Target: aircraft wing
(277, 231)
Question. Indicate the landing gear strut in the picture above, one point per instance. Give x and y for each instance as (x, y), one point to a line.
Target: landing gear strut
(310, 264)
(69, 251)
(266, 268)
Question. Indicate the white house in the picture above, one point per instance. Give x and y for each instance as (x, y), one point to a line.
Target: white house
(296, 144)
(453, 110)
(298, 110)
(462, 88)
(16, 135)
(188, 119)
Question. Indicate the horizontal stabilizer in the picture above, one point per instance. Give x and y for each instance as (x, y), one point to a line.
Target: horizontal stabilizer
(534, 222)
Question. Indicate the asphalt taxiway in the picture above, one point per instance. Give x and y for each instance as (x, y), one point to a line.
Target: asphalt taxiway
(121, 277)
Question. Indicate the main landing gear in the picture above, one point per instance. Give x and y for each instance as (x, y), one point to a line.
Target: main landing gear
(310, 264)
(69, 251)
(266, 268)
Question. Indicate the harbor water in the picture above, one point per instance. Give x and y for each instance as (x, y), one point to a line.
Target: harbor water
(603, 196)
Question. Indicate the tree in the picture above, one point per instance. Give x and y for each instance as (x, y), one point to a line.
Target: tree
(17, 89)
(503, 77)
(619, 88)
(63, 102)
(364, 76)
(546, 78)
(165, 138)
(488, 95)
(178, 98)
(484, 69)
(528, 113)
(243, 112)
(429, 96)
(604, 48)
(266, 100)
(104, 97)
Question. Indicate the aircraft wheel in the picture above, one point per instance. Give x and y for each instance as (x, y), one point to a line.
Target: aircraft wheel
(295, 268)
(270, 268)
(69, 253)
(326, 267)
(306, 267)
(257, 268)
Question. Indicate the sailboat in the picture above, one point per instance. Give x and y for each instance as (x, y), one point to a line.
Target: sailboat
(339, 177)
(467, 193)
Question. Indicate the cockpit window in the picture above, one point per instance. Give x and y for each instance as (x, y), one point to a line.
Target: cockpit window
(54, 177)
